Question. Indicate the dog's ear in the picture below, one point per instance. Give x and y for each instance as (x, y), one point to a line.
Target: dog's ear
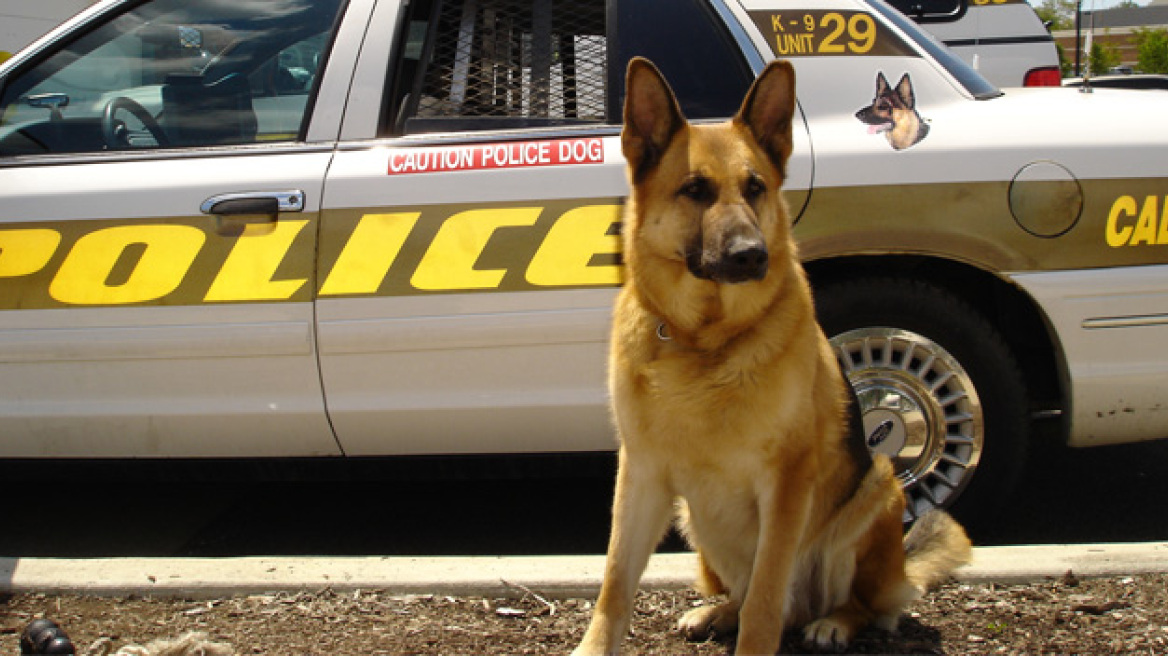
(652, 116)
(882, 85)
(904, 89)
(768, 110)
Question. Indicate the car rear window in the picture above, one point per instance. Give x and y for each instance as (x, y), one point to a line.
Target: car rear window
(691, 46)
(467, 65)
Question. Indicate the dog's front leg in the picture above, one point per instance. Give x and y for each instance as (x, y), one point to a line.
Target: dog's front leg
(641, 512)
(784, 508)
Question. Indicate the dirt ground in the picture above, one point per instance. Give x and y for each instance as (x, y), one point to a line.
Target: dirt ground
(1127, 615)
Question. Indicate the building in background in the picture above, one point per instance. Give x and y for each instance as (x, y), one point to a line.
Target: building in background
(1115, 27)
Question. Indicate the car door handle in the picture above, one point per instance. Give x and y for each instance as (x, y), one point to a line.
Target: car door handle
(236, 210)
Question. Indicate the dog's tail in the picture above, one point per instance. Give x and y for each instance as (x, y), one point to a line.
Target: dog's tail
(935, 547)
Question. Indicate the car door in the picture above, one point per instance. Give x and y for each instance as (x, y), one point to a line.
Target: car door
(435, 335)
(160, 181)
(470, 235)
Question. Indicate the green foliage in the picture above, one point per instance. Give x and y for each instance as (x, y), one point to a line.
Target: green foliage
(1152, 45)
(1103, 57)
(1066, 65)
(1059, 13)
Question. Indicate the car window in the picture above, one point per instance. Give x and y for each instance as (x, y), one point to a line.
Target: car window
(709, 74)
(494, 64)
(280, 88)
(172, 73)
(469, 65)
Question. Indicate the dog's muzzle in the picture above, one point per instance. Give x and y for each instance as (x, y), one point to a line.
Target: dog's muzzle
(745, 259)
(742, 259)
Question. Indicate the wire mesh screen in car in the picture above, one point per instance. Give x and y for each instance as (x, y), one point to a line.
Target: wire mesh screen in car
(542, 60)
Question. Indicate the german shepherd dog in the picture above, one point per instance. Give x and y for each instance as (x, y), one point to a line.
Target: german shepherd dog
(893, 112)
(729, 401)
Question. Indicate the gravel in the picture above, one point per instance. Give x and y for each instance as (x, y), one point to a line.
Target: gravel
(1127, 615)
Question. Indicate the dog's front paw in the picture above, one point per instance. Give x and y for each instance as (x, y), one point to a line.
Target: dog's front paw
(584, 650)
(596, 643)
(828, 633)
(704, 622)
(590, 648)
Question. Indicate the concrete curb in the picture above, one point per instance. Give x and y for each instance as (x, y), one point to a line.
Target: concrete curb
(556, 576)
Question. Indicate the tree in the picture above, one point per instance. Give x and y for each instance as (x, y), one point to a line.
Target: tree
(1104, 56)
(1152, 46)
(1059, 14)
(1066, 66)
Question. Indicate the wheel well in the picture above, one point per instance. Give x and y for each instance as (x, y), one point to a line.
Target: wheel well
(1013, 312)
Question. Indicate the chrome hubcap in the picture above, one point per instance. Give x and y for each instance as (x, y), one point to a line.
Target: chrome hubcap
(919, 408)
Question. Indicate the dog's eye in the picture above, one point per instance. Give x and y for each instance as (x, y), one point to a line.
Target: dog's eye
(754, 188)
(697, 189)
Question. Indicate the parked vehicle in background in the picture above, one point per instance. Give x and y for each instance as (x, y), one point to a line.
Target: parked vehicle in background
(25, 21)
(1141, 81)
(1003, 39)
(251, 230)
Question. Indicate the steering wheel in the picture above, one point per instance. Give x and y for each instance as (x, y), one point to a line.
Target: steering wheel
(114, 132)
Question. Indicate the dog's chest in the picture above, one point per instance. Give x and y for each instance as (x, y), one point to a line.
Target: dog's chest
(720, 513)
(683, 395)
(691, 401)
(674, 372)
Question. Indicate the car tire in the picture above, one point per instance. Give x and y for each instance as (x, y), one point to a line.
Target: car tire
(939, 388)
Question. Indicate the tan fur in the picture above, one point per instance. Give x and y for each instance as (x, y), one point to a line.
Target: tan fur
(740, 413)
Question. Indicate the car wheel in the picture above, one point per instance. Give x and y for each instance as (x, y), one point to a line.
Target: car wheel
(939, 389)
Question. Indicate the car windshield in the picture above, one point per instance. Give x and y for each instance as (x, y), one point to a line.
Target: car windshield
(974, 83)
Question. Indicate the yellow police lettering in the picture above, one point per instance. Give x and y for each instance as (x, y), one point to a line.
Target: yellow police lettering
(449, 263)
(565, 255)
(794, 44)
(164, 254)
(1145, 231)
(1117, 235)
(248, 272)
(369, 252)
(1162, 235)
(25, 251)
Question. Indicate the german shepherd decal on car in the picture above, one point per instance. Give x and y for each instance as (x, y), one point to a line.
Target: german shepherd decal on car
(893, 113)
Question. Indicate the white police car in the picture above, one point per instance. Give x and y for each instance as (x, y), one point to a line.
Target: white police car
(389, 228)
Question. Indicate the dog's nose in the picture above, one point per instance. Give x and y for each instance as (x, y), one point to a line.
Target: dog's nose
(745, 259)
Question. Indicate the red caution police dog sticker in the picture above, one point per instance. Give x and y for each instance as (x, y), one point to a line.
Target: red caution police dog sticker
(505, 155)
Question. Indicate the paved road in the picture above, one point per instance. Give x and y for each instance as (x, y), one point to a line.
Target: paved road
(1113, 494)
